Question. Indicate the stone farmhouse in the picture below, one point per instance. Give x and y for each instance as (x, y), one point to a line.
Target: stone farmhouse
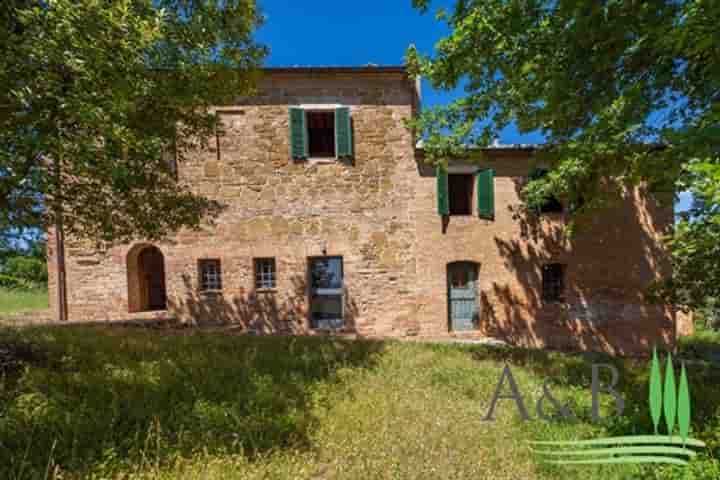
(334, 223)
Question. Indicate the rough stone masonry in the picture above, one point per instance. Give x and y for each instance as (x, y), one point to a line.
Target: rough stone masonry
(357, 245)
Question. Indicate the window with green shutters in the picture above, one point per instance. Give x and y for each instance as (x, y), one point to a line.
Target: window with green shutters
(443, 193)
(320, 133)
(486, 193)
(298, 134)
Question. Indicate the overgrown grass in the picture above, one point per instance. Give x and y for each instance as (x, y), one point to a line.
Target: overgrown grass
(16, 301)
(134, 403)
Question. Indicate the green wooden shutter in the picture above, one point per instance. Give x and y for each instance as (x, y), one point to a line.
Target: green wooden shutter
(343, 132)
(298, 134)
(443, 194)
(486, 193)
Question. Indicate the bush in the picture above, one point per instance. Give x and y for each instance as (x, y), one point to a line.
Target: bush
(13, 283)
(27, 269)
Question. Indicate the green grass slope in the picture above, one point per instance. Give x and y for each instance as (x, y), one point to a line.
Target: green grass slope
(128, 403)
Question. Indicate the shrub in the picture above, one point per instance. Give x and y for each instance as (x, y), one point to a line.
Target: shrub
(27, 269)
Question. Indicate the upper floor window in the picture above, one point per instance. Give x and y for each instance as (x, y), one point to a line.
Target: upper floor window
(265, 273)
(210, 274)
(455, 192)
(461, 194)
(553, 282)
(317, 132)
(321, 134)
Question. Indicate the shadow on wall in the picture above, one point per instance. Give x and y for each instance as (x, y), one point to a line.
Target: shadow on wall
(266, 312)
(608, 263)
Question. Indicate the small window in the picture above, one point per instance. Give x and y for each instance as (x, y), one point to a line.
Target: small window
(264, 273)
(552, 282)
(321, 134)
(210, 274)
(461, 193)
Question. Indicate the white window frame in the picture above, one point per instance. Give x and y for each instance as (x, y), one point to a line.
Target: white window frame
(320, 107)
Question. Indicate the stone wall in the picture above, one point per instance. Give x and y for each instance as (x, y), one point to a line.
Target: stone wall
(378, 212)
(290, 210)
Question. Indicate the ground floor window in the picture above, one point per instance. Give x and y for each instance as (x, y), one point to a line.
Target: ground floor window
(210, 274)
(326, 292)
(265, 273)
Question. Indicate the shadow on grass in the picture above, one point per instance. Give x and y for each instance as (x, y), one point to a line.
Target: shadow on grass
(125, 395)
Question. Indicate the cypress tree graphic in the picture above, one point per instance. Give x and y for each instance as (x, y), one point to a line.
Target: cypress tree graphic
(670, 400)
(684, 406)
(655, 391)
(665, 401)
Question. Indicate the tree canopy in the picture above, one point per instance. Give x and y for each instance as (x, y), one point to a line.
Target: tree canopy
(622, 90)
(97, 95)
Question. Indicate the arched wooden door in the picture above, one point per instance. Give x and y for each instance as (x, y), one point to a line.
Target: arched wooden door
(462, 280)
(151, 270)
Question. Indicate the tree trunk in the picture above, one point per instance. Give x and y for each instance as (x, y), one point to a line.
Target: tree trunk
(60, 242)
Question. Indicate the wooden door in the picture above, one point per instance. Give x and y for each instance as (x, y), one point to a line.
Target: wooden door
(462, 296)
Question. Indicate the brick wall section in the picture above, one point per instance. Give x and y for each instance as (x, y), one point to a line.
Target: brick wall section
(607, 266)
(379, 213)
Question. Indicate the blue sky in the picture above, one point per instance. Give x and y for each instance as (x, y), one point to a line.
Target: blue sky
(332, 32)
(324, 32)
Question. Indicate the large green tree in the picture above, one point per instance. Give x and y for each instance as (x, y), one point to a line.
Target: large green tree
(624, 90)
(95, 95)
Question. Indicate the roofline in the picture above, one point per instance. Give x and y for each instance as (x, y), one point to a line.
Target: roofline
(500, 148)
(369, 69)
(532, 147)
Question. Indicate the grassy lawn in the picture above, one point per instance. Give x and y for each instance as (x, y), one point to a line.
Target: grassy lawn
(14, 301)
(121, 403)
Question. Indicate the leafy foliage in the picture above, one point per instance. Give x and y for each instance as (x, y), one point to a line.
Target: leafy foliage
(97, 95)
(24, 265)
(30, 269)
(625, 92)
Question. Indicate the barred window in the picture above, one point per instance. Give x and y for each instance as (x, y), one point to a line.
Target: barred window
(552, 282)
(210, 274)
(264, 273)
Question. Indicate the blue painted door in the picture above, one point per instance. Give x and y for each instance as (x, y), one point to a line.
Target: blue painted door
(462, 296)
